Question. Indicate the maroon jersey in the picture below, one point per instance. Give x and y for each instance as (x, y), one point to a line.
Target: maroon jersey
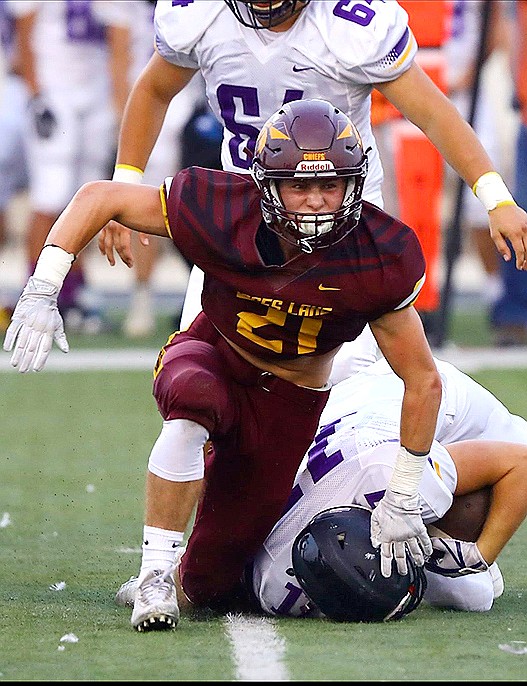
(308, 306)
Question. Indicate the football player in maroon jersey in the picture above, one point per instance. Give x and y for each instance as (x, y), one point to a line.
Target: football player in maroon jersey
(295, 265)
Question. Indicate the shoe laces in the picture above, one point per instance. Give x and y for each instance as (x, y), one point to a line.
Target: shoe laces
(162, 584)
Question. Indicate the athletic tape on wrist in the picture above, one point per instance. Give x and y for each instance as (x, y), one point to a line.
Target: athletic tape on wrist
(53, 264)
(126, 173)
(491, 191)
(407, 472)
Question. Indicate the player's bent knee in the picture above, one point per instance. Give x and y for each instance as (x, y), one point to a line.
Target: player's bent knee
(191, 384)
(177, 454)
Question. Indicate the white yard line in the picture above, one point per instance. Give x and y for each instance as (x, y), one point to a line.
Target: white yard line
(475, 359)
(94, 360)
(258, 651)
(466, 359)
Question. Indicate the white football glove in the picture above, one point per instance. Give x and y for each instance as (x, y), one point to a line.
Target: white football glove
(35, 323)
(453, 558)
(397, 526)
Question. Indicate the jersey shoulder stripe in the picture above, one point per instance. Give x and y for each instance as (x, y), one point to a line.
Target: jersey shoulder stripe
(373, 40)
(413, 295)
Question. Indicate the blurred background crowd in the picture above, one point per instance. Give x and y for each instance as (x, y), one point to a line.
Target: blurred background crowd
(75, 61)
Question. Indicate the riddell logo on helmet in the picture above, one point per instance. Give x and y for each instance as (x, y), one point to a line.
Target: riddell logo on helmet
(320, 165)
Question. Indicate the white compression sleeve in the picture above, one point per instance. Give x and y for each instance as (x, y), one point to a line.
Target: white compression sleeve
(178, 454)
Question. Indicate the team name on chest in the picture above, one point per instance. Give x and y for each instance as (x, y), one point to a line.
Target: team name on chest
(289, 307)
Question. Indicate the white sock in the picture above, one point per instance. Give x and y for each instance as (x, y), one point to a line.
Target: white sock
(159, 548)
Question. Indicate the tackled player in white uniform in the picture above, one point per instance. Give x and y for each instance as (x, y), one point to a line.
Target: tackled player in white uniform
(350, 462)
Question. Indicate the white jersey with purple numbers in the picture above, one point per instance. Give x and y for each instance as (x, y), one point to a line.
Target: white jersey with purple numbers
(68, 41)
(72, 71)
(336, 50)
(352, 458)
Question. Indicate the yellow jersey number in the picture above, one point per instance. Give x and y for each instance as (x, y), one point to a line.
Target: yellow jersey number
(249, 322)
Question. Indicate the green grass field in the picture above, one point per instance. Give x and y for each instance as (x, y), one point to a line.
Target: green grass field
(73, 450)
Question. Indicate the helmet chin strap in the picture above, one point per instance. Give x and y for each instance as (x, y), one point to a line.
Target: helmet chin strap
(305, 246)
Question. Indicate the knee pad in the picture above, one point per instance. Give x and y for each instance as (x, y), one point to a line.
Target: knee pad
(178, 454)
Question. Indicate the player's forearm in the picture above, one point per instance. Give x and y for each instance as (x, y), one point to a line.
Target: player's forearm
(142, 121)
(85, 215)
(419, 413)
(159, 82)
(418, 422)
(422, 103)
(96, 203)
(458, 144)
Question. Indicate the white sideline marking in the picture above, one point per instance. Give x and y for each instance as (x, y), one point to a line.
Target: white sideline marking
(258, 651)
(474, 359)
(94, 360)
(466, 359)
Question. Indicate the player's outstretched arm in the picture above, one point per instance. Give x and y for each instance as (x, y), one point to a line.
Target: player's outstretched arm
(36, 320)
(423, 103)
(396, 524)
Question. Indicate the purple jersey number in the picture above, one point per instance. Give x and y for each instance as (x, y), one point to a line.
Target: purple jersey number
(82, 27)
(244, 135)
(357, 12)
(318, 462)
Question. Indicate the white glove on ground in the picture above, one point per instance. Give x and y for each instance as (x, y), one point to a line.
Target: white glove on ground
(35, 323)
(397, 526)
(453, 558)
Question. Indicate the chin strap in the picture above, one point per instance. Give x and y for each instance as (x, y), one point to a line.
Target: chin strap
(305, 246)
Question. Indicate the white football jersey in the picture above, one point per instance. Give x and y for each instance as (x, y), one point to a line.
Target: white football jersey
(352, 457)
(68, 41)
(336, 50)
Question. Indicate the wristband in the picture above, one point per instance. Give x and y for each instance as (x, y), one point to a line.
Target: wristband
(407, 472)
(491, 190)
(53, 264)
(126, 173)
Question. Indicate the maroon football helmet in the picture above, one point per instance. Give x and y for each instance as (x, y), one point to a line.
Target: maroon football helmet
(309, 139)
(266, 13)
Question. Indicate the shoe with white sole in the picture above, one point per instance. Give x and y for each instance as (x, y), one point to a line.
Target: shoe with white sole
(125, 596)
(155, 602)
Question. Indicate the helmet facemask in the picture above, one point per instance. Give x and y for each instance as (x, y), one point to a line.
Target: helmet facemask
(307, 230)
(266, 13)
